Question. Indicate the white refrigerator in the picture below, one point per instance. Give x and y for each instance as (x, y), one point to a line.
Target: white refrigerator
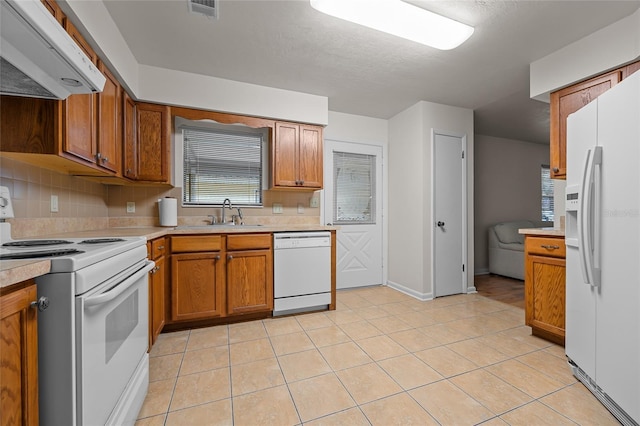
(603, 248)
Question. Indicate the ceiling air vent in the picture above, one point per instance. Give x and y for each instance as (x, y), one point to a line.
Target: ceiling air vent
(209, 8)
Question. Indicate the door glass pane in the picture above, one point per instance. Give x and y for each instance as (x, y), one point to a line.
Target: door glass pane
(354, 191)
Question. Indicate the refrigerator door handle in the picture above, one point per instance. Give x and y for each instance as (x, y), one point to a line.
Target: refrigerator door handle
(589, 218)
(583, 220)
(596, 213)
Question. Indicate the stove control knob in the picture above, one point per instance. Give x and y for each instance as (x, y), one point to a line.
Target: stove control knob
(4, 202)
(41, 304)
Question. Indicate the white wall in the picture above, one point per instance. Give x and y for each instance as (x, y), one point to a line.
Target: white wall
(507, 186)
(410, 221)
(172, 87)
(608, 48)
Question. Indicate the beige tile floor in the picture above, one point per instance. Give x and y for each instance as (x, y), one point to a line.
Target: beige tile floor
(382, 358)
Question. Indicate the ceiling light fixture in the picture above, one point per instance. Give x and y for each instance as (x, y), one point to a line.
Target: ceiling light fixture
(400, 19)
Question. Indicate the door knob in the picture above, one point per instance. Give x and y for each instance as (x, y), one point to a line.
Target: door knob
(440, 223)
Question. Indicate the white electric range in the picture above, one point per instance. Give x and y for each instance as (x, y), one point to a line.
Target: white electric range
(93, 366)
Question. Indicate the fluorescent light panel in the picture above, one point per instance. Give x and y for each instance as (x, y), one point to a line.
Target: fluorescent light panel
(400, 19)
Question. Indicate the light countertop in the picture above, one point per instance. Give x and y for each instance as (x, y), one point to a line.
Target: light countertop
(16, 271)
(544, 232)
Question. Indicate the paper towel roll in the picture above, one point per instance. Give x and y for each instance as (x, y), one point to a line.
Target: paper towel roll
(168, 209)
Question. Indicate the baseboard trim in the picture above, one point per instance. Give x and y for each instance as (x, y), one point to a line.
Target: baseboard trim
(481, 271)
(410, 292)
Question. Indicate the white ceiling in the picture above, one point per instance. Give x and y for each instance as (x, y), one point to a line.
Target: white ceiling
(289, 45)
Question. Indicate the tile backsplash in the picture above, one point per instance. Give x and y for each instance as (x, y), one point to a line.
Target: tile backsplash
(82, 204)
(86, 205)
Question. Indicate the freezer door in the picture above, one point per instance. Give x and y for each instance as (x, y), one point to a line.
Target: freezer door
(580, 311)
(618, 301)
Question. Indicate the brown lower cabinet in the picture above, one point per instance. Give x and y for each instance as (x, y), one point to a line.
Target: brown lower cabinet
(197, 286)
(19, 356)
(249, 280)
(544, 285)
(157, 288)
(217, 276)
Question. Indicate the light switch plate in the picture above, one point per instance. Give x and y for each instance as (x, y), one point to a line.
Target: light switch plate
(131, 207)
(277, 208)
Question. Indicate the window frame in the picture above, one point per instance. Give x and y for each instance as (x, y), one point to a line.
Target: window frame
(265, 133)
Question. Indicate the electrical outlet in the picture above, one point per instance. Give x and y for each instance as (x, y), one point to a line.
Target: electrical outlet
(300, 208)
(277, 208)
(54, 204)
(131, 207)
(314, 202)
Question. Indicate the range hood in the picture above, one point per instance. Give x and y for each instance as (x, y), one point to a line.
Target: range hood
(38, 58)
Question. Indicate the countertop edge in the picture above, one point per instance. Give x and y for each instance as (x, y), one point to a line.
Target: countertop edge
(547, 232)
(16, 271)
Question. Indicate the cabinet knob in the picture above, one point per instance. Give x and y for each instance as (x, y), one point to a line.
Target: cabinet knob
(556, 170)
(229, 257)
(217, 257)
(41, 304)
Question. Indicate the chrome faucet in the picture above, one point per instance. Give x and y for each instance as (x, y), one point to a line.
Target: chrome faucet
(224, 203)
(240, 217)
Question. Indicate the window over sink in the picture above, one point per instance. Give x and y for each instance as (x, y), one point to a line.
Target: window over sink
(223, 161)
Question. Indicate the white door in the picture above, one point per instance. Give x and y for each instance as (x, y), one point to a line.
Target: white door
(449, 214)
(353, 201)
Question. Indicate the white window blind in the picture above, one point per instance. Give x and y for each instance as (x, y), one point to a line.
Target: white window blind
(547, 206)
(221, 164)
(354, 177)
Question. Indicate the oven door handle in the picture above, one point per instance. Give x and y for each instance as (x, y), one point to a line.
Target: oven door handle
(120, 288)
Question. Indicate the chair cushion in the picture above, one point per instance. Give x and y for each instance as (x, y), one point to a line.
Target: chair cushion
(507, 232)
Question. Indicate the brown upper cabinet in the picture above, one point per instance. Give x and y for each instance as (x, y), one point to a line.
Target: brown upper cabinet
(297, 156)
(570, 99)
(147, 138)
(109, 123)
(55, 10)
(79, 113)
(81, 135)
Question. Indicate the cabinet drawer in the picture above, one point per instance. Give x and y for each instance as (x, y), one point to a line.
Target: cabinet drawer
(158, 248)
(545, 246)
(248, 241)
(195, 243)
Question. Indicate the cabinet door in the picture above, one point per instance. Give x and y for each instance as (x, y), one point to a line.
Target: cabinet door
(249, 281)
(55, 10)
(79, 112)
(566, 101)
(630, 69)
(109, 123)
(285, 155)
(310, 161)
(19, 358)
(545, 295)
(129, 158)
(157, 299)
(197, 286)
(153, 133)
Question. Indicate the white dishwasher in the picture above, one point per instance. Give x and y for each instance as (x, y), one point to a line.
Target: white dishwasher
(301, 271)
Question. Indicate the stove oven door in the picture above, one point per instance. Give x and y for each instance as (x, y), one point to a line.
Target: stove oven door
(112, 339)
